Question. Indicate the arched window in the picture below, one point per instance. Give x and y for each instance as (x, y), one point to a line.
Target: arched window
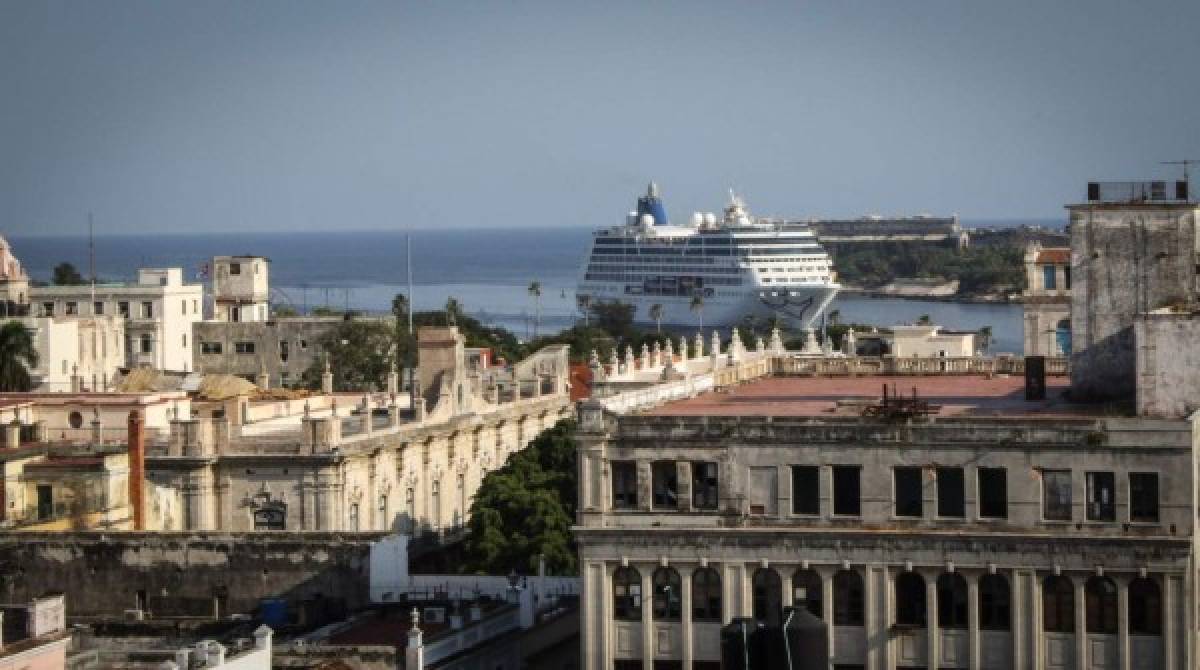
(910, 599)
(1058, 605)
(668, 595)
(995, 603)
(807, 591)
(952, 600)
(1145, 607)
(768, 595)
(706, 595)
(1100, 594)
(848, 598)
(627, 594)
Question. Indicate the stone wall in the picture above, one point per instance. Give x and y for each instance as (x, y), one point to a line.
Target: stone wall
(185, 574)
(301, 335)
(1167, 360)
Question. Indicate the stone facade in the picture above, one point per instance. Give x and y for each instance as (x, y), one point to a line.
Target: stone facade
(978, 539)
(284, 348)
(1047, 301)
(1167, 360)
(1127, 258)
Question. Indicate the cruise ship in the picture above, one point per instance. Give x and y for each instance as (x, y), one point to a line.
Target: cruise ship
(708, 272)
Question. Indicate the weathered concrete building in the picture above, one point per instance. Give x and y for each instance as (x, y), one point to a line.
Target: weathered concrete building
(1047, 301)
(977, 531)
(282, 349)
(1134, 250)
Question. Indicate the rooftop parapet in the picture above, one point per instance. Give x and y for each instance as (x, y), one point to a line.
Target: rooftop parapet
(1136, 192)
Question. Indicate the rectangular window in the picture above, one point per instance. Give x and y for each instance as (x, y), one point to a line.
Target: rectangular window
(210, 347)
(624, 484)
(1101, 496)
(243, 347)
(1056, 495)
(235, 268)
(950, 493)
(147, 344)
(185, 340)
(1143, 496)
(195, 307)
(1067, 277)
(847, 499)
(184, 306)
(1049, 280)
(665, 485)
(806, 490)
(147, 310)
(704, 485)
(993, 493)
(764, 491)
(47, 309)
(123, 309)
(284, 350)
(98, 308)
(907, 491)
(72, 307)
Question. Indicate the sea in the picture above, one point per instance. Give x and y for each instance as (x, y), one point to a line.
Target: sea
(488, 270)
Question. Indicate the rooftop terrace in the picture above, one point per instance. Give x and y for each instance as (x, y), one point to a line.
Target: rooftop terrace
(950, 395)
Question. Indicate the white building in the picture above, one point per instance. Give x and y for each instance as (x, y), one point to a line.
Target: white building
(76, 354)
(158, 309)
(241, 288)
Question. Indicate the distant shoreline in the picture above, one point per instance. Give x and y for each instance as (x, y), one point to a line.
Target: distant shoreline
(986, 299)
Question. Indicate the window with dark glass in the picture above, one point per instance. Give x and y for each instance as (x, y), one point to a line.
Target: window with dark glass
(1143, 496)
(1100, 596)
(951, 495)
(910, 600)
(847, 500)
(848, 601)
(1056, 495)
(1101, 496)
(665, 481)
(704, 485)
(993, 493)
(767, 595)
(1048, 277)
(995, 603)
(668, 595)
(1067, 277)
(1058, 605)
(706, 595)
(907, 485)
(243, 347)
(806, 490)
(210, 347)
(627, 594)
(952, 601)
(1145, 607)
(807, 591)
(624, 484)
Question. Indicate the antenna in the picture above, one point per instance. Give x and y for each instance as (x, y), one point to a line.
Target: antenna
(412, 362)
(92, 260)
(1184, 163)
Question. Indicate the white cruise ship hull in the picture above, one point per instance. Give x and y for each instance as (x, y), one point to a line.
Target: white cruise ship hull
(800, 308)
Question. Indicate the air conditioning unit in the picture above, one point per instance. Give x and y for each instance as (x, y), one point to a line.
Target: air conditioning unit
(434, 615)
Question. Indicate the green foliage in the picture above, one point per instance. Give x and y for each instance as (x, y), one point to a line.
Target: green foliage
(613, 317)
(360, 356)
(978, 269)
(581, 339)
(17, 356)
(65, 274)
(526, 509)
(283, 311)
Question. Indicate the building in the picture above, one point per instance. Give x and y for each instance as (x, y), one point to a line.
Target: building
(14, 283)
(241, 288)
(1134, 250)
(158, 310)
(919, 341)
(33, 635)
(1047, 301)
(282, 348)
(974, 530)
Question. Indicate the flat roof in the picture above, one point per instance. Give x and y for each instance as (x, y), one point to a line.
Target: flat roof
(847, 396)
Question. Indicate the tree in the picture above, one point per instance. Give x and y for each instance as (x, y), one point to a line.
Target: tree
(65, 274)
(17, 356)
(614, 317)
(697, 307)
(526, 509)
(535, 290)
(584, 301)
(656, 313)
(360, 356)
(835, 316)
(280, 311)
(924, 320)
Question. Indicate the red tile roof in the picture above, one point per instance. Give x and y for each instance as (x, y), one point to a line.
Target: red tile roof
(1055, 256)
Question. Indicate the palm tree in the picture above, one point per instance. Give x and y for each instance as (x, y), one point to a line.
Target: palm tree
(535, 290)
(656, 313)
(585, 305)
(697, 308)
(17, 356)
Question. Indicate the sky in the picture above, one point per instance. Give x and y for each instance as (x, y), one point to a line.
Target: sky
(292, 115)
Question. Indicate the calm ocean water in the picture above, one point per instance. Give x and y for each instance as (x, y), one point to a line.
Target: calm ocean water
(488, 270)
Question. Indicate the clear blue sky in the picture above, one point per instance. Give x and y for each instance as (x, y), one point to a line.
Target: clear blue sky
(293, 115)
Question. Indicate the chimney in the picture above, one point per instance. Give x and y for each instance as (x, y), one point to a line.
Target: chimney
(137, 468)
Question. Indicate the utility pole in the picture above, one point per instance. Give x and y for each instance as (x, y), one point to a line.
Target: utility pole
(412, 354)
(92, 261)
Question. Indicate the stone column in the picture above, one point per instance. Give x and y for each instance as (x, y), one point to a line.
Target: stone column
(685, 599)
(1080, 621)
(973, 651)
(877, 596)
(932, 631)
(1170, 633)
(647, 572)
(1123, 657)
(826, 574)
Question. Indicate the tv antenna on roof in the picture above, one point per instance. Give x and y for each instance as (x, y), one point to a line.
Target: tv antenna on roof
(1185, 163)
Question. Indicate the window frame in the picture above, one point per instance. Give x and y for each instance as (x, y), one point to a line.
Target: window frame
(706, 483)
(664, 485)
(849, 599)
(991, 608)
(914, 507)
(1069, 505)
(845, 468)
(1106, 512)
(980, 489)
(942, 477)
(910, 611)
(663, 605)
(814, 498)
(704, 592)
(1133, 502)
(620, 497)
